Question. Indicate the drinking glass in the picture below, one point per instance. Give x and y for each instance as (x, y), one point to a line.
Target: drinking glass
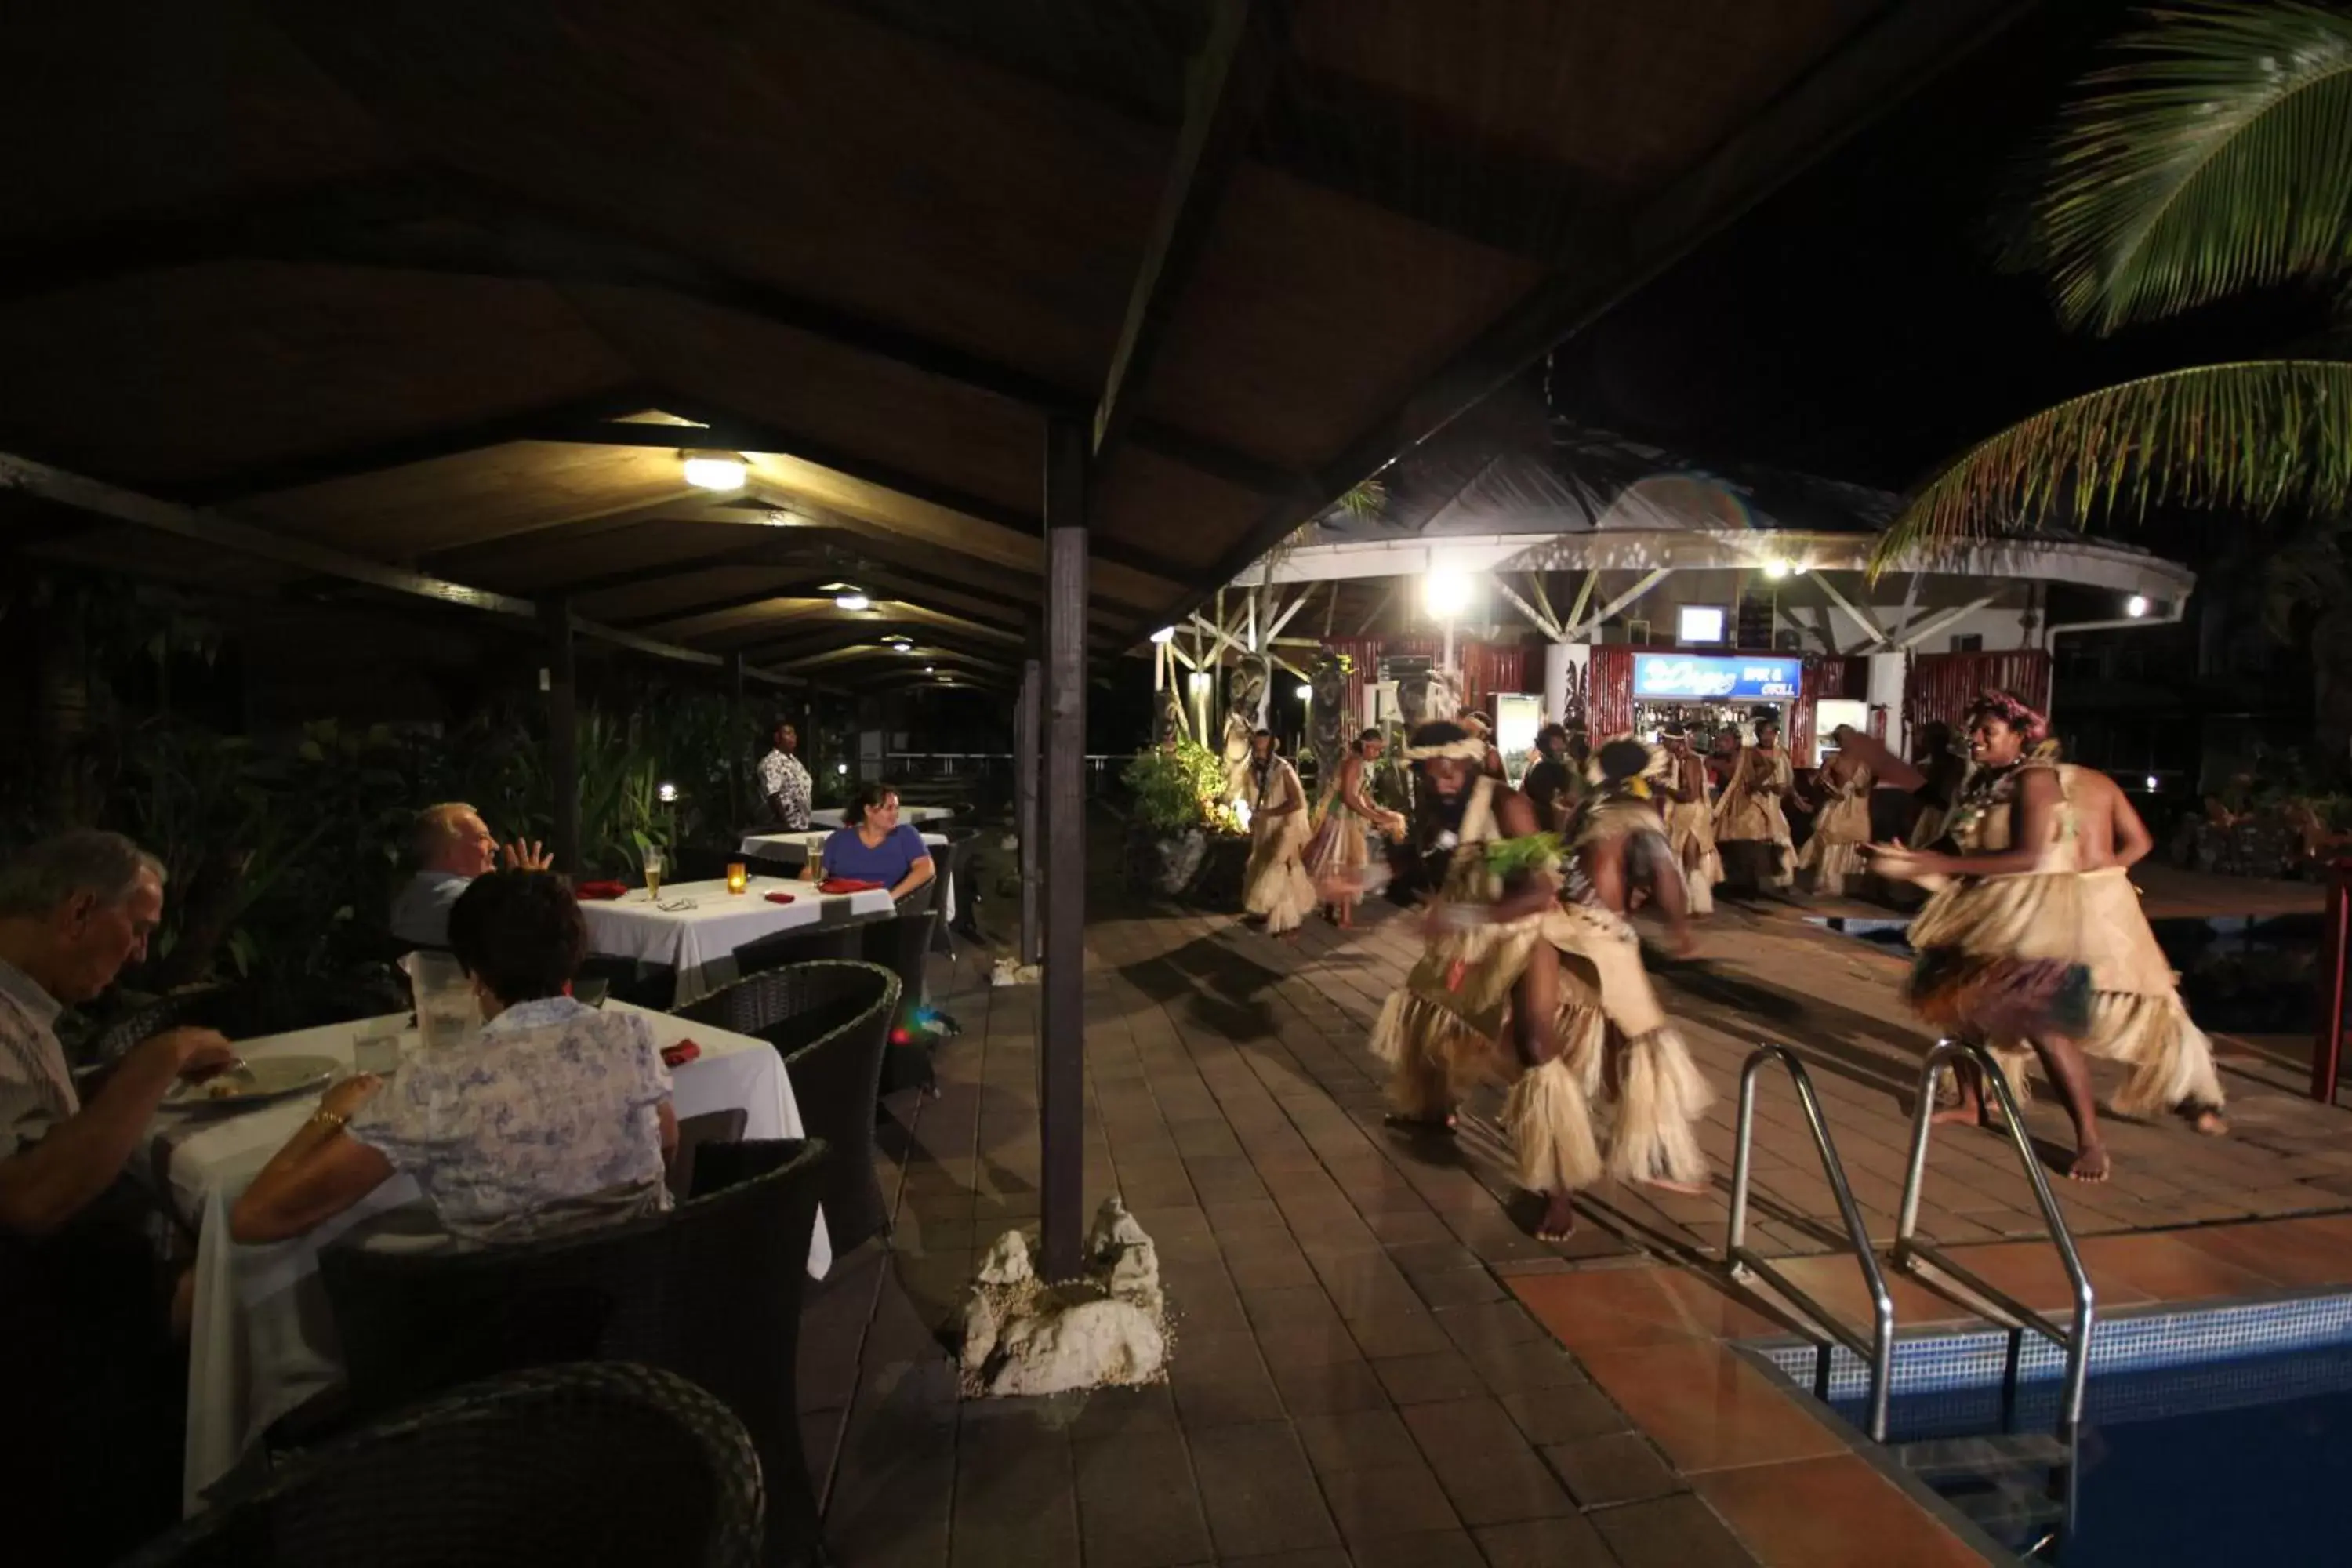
(377, 1049)
(447, 1012)
(653, 873)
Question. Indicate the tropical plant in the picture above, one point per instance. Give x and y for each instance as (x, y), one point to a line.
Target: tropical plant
(2213, 156)
(1178, 789)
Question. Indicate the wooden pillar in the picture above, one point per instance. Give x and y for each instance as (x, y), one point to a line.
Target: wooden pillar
(1024, 803)
(741, 805)
(1061, 1056)
(558, 681)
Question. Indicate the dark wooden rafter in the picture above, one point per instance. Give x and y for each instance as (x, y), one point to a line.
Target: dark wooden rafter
(783, 641)
(1225, 91)
(723, 432)
(446, 222)
(1322, 128)
(1876, 67)
(219, 530)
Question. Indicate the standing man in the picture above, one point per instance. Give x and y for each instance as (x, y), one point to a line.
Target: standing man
(784, 782)
(1751, 820)
(90, 1453)
(452, 846)
(1690, 821)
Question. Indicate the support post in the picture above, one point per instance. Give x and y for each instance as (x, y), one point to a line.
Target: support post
(1024, 803)
(557, 679)
(1061, 1056)
(2327, 1049)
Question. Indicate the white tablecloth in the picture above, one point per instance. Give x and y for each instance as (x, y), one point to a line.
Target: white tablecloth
(262, 1341)
(700, 943)
(794, 849)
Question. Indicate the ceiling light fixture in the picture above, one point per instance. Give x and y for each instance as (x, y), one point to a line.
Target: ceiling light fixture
(852, 600)
(1447, 592)
(715, 470)
(1165, 634)
(1775, 569)
(2136, 607)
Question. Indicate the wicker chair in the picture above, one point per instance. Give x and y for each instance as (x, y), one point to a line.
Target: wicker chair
(569, 1466)
(710, 1291)
(832, 1021)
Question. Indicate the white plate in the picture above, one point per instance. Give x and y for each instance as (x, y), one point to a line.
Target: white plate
(255, 1083)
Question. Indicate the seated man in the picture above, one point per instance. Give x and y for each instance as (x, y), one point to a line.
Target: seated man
(83, 1296)
(558, 1116)
(453, 846)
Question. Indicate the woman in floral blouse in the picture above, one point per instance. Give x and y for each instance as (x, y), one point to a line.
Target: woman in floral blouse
(557, 1116)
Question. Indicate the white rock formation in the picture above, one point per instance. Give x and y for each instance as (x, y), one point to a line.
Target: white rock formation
(1022, 1336)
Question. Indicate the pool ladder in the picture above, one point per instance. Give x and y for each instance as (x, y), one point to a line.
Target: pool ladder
(1910, 1250)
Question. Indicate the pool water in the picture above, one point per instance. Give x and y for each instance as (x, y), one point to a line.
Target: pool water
(2241, 1461)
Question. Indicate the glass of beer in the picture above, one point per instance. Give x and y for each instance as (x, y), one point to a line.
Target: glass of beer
(652, 872)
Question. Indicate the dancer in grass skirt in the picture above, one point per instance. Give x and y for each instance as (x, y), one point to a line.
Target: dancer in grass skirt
(1520, 985)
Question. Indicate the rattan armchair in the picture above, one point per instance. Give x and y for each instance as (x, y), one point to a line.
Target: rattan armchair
(832, 1021)
(711, 1291)
(565, 1466)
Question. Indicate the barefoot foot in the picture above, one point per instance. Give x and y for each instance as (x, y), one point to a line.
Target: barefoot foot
(2210, 1121)
(1953, 1116)
(2090, 1165)
(1403, 1123)
(1558, 1222)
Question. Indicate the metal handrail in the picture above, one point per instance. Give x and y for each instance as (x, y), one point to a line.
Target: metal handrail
(1909, 1250)
(1879, 1352)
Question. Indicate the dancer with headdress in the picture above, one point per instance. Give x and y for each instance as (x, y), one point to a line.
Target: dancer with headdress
(1751, 821)
(1276, 886)
(1835, 853)
(1690, 820)
(1533, 977)
(1337, 856)
(2018, 946)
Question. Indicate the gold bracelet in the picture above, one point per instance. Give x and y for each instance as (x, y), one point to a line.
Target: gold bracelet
(330, 1120)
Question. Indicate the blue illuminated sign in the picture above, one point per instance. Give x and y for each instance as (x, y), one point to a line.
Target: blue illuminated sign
(1697, 677)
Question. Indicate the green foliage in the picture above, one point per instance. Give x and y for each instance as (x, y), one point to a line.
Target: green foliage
(1176, 789)
(2215, 156)
(1518, 856)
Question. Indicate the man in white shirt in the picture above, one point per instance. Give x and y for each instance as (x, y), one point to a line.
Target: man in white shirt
(74, 910)
(90, 1451)
(452, 846)
(784, 782)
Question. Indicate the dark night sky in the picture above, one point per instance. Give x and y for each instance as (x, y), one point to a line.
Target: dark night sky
(1855, 326)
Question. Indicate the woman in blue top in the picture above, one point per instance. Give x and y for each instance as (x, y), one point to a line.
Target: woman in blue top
(873, 846)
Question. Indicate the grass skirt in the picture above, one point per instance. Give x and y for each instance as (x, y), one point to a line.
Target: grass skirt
(1276, 885)
(1690, 835)
(1569, 1119)
(1997, 958)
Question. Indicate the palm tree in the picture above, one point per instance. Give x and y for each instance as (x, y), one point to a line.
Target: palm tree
(2213, 156)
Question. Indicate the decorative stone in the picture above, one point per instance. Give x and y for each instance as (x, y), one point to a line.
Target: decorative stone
(1022, 1336)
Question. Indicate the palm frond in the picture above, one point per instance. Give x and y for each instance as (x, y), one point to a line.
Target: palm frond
(2245, 438)
(2215, 156)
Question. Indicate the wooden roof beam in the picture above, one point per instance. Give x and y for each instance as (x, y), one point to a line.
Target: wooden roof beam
(448, 224)
(1225, 91)
(1879, 64)
(219, 530)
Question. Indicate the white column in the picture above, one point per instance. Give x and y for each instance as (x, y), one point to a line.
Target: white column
(1887, 674)
(1565, 664)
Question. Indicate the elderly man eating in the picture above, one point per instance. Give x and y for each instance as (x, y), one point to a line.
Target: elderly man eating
(90, 1453)
(452, 846)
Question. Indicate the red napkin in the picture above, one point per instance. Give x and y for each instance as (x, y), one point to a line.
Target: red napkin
(845, 885)
(599, 889)
(779, 898)
(678, 1055)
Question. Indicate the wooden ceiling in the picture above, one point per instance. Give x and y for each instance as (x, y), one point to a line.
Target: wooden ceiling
(417, 294)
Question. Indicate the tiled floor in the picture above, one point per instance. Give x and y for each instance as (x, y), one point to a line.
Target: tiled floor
(1362, 1372)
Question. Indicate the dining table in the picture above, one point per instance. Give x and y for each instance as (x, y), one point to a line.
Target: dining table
(261, 1340)
(795, 850)
(696, 927)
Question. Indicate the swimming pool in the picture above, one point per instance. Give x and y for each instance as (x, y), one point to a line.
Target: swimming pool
(2215, 1437)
